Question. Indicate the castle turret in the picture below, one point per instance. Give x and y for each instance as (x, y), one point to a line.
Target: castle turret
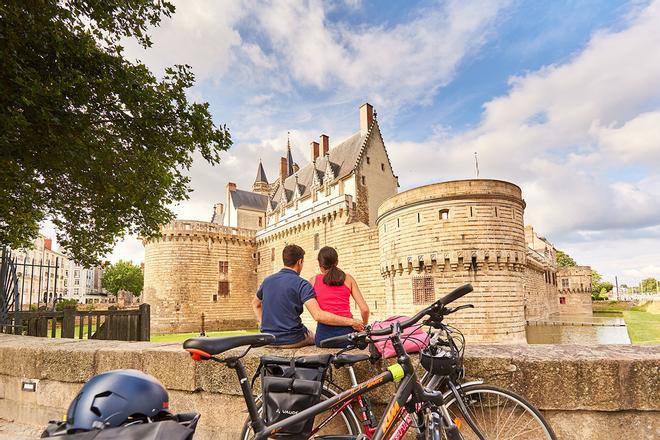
(289, 158)
(261, 182)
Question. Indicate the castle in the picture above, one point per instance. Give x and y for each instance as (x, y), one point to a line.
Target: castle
(404, 249)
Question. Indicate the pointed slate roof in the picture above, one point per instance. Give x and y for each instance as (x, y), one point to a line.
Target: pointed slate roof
(289, 158)
(261, 174)
(249, 200)
(343, 159)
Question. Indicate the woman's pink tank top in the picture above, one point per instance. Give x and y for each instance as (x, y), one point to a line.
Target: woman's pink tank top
(333, 299)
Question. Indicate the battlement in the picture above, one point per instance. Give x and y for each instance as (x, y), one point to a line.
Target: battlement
(194, 228)
(475, 261)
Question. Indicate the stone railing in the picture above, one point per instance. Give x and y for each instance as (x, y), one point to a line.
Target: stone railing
(586, 392)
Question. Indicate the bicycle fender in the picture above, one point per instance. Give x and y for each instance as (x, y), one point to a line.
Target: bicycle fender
(458, 387)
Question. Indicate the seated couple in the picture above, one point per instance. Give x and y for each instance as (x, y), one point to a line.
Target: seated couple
(280, 299)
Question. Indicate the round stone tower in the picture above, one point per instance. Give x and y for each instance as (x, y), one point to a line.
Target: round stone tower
(200, 267)
(436, 237)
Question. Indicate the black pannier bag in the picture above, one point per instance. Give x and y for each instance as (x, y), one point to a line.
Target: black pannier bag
(289, 386)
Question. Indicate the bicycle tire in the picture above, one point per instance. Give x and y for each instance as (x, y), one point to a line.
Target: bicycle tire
(351, 421)
(484, 416)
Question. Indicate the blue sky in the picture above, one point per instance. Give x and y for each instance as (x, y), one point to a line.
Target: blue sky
(559, 97)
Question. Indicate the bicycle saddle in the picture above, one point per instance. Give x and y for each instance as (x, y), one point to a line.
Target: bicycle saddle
(349, 359)
(207, 347)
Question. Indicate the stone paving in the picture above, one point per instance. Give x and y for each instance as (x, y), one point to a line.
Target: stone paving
(10, 430)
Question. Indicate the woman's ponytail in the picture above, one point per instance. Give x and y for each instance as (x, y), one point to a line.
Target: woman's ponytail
(328, 260)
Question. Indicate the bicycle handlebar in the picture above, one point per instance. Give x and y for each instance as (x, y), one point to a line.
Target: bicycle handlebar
(439, 305)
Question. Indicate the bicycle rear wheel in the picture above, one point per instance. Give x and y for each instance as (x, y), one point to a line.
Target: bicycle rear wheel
(344, 423)
(499, 414)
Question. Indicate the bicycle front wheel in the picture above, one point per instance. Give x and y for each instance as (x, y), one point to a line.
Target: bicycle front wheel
(498, 414)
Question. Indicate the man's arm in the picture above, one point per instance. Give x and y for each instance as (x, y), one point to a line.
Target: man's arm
(256, 307)
(328, 318)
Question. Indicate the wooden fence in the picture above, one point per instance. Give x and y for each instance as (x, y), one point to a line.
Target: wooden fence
(120, 325)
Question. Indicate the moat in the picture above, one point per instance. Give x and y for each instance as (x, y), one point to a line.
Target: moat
(598, 328)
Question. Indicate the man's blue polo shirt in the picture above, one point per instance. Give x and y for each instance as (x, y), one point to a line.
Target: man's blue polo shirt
(283, 295)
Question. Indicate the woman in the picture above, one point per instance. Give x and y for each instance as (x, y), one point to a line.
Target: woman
(334, 290)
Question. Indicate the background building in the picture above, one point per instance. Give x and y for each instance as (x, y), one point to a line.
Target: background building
(574, 289)
(405, 250)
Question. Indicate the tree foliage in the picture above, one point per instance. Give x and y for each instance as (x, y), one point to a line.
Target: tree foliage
(599, 288)
(649, 285)
(89, 139)
(123, 275)
(66, 304)
(565, 260)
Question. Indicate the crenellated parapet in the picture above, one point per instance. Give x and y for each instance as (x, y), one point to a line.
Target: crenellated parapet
(197, 230)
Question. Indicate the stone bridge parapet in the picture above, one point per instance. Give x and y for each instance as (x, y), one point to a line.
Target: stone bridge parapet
(586, 392)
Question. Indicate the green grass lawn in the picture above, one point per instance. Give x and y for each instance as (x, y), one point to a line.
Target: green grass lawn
(643, 323)
(180, 337)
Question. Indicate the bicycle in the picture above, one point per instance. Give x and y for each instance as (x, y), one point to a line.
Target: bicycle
(438, 409)
(410, 395)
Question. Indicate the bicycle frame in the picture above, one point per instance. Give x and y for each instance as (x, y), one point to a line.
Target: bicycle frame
(408, 394)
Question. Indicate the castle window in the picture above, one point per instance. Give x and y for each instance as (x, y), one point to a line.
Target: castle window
(564, 283)
(471, 212)
(443, 214)
(272, 254)
(258, 258)
(562, 300)
(223, 266)
(316, 242)
(496, 211)
(223, 288)
(364, 180)
(368, 160)
(398, 223)
(418, 217)
(382, 167)
(215, 298)
(260, 221)
(423, 289)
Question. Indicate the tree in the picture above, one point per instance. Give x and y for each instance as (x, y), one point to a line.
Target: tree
(88, 139)
(565, 260)
(66, 304)
(123, 275)
(599, 288)
(649, 285)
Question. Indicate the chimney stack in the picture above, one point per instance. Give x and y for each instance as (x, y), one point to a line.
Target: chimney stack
(314, 147)
(48, 243)
(325, 144)
(231, 187)
(366, 118)
(283, 169)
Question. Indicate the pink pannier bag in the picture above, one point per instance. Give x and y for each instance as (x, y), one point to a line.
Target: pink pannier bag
(414, 338)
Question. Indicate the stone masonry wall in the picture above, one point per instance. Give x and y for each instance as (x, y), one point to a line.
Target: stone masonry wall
(182, 275)
(595, 393)
(481, 242)
(574, 285)
(541, 299)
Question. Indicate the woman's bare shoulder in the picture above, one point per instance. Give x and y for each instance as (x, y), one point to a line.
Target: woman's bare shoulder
(349, 279)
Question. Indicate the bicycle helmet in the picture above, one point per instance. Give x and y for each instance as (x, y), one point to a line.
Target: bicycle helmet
(115, 397)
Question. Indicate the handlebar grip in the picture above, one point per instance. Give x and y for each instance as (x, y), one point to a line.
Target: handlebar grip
(336, 341)
(456, 293)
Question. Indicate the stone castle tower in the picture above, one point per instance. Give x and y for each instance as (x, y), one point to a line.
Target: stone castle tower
(405, 250)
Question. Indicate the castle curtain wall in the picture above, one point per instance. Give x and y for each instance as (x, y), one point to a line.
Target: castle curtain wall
(183, 273)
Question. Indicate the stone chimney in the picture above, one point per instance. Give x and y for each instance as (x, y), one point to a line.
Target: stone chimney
(314, 149)
(283, 169)
(366, 118)
(231, 187)
(218, 212)
(325, 144)
(48, 244)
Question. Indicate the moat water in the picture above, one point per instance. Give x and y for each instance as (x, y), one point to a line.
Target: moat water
(598, 328)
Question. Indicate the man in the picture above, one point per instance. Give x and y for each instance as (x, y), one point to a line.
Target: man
(279, 304)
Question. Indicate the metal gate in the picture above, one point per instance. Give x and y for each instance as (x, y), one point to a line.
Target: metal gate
(10, 298)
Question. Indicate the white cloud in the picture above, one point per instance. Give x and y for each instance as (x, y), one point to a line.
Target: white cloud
(396, 65)
(565, 133)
